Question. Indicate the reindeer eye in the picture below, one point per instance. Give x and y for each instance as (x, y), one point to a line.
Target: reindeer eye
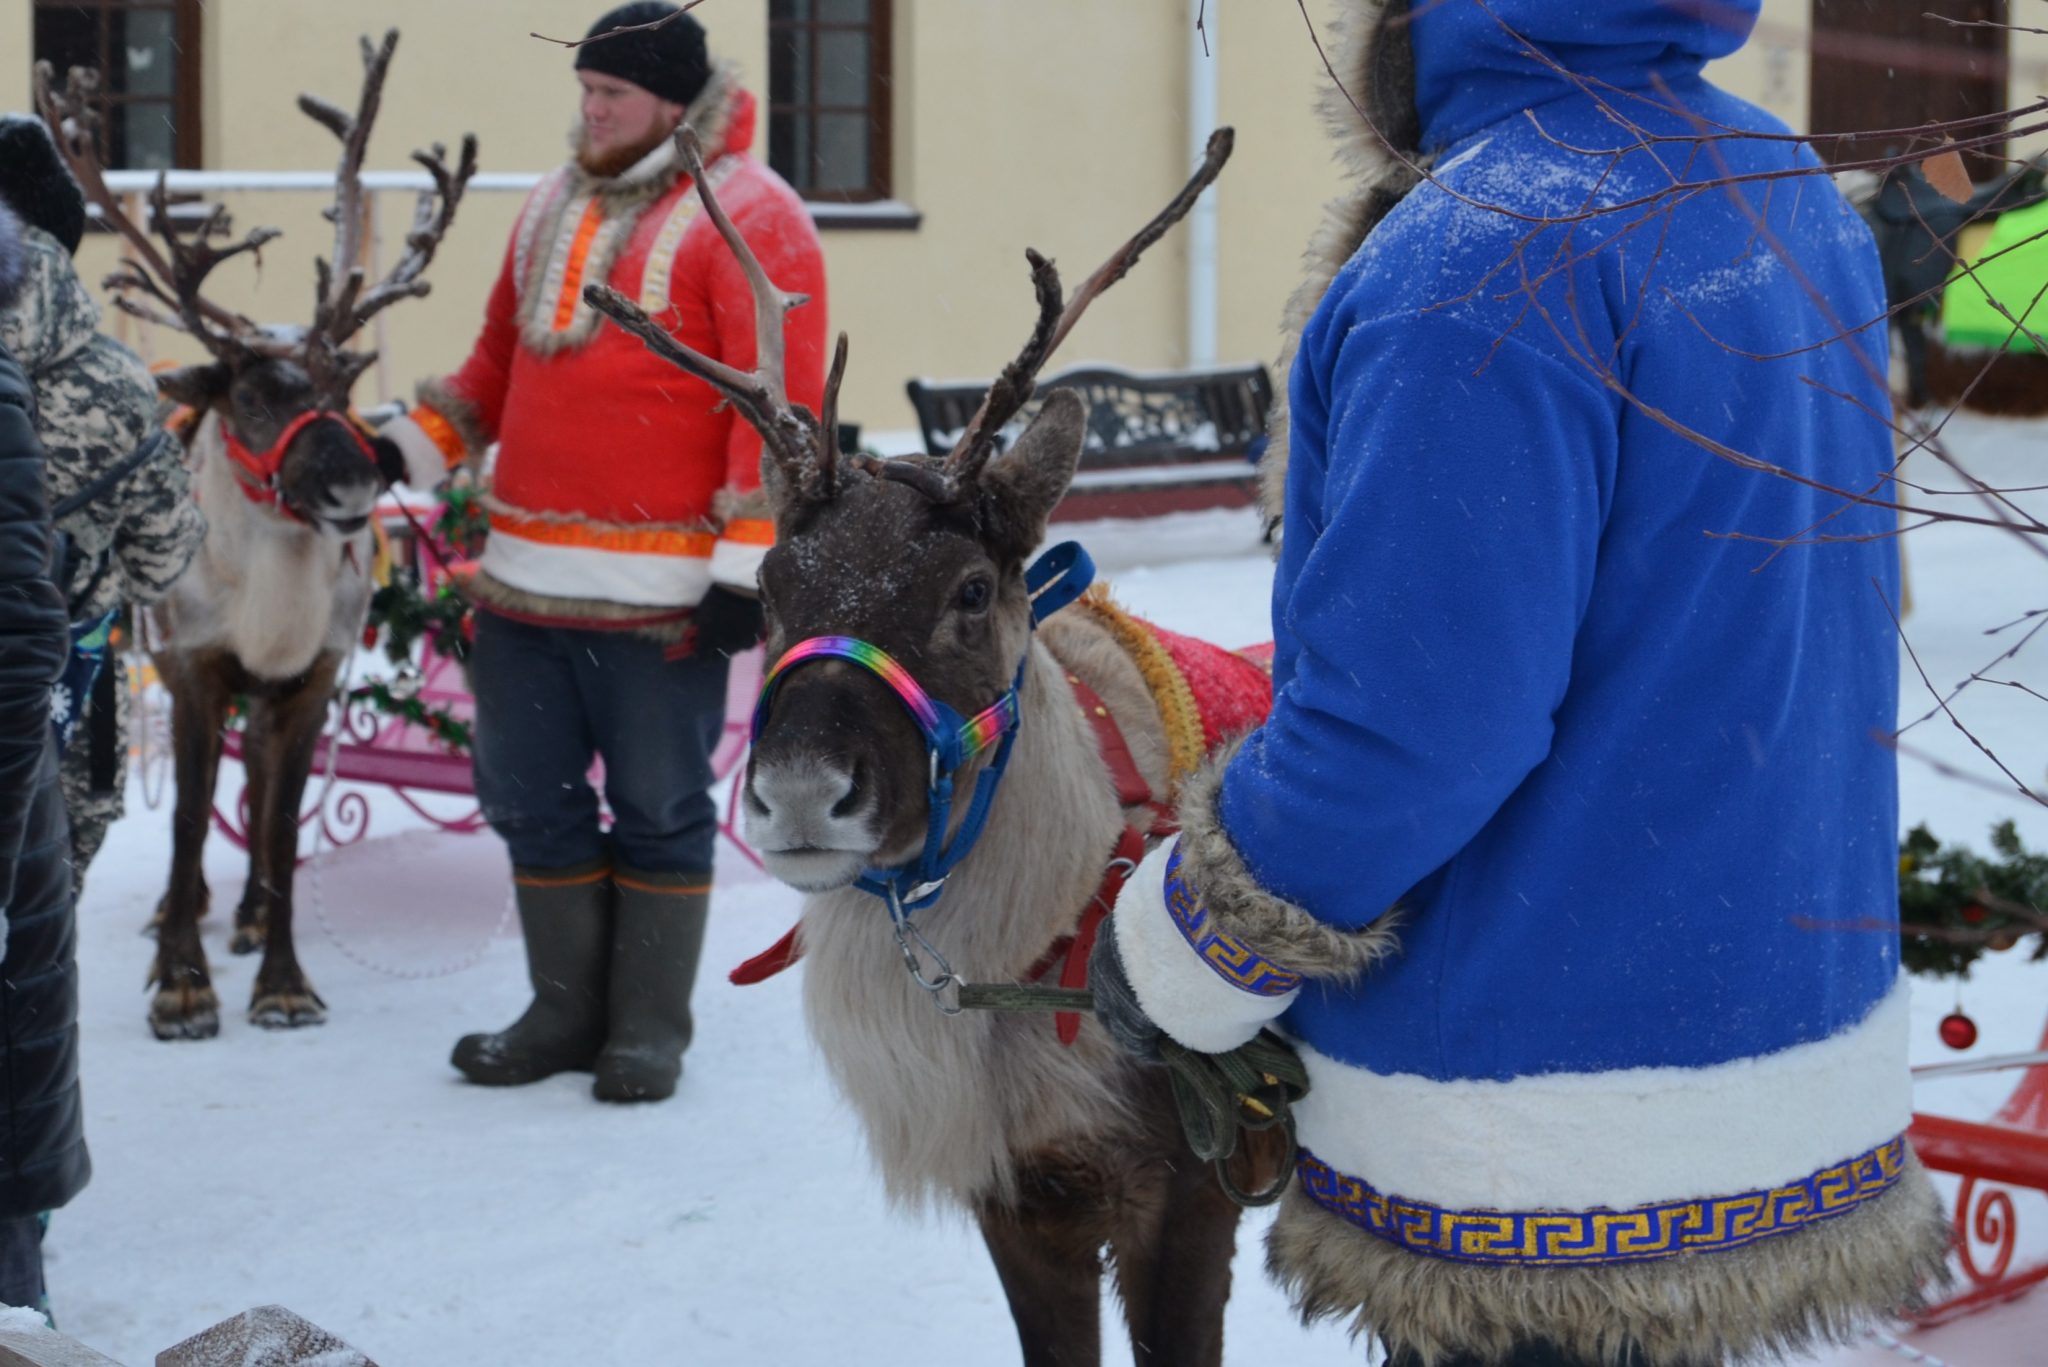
(974, 594)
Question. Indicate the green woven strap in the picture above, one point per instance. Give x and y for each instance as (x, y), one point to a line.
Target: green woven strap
(1220, 1097)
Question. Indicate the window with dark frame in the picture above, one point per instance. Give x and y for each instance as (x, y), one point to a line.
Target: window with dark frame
(147, 54)
(829, 96)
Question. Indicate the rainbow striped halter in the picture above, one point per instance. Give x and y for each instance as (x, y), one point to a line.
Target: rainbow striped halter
(1054, 580)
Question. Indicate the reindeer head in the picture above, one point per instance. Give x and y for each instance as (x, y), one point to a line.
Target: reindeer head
(918, 562)
(281, 394)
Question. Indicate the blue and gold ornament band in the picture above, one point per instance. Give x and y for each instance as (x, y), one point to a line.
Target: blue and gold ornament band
(1583, 1238)
(1230, 959)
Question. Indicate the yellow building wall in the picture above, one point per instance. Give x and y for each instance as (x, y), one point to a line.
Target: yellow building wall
(1058, 124)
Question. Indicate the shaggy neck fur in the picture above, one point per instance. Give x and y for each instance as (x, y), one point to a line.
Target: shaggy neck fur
(951, 1103)
(273, 592)
(1369, 51)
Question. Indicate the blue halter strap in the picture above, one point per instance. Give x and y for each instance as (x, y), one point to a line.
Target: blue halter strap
(1054, 580)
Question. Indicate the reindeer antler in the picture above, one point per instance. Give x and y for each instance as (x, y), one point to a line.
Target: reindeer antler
(341, 305)
(1019, 379)
(802, 444)
(174, 283)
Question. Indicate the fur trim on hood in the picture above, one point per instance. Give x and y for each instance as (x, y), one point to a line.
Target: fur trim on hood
(1378, 149)
(551, 212)
(13, 257)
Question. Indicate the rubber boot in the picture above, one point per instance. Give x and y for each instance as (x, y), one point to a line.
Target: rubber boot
(566, 915)
(656, 939)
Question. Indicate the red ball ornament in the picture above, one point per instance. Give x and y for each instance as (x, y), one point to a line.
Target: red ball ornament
(1958, 1031)
(369, 638)
(1973, 914)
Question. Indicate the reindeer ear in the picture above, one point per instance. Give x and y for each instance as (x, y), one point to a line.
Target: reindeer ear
(1022, 486)
(196, 386)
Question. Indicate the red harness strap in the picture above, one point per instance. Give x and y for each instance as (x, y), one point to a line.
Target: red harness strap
(260, 486)
(1069, 953)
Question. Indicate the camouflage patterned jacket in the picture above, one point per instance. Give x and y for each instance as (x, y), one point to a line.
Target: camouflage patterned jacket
(94, 405)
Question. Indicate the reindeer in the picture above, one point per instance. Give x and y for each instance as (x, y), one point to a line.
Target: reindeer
(1059, 1152)
(276, 597)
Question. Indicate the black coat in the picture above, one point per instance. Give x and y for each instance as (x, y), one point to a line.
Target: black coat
(43, 1162)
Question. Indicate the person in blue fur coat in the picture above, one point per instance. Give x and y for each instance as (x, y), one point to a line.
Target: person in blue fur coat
(1611, 1082)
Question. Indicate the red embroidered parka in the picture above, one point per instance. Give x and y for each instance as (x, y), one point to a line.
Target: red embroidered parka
(622, 491)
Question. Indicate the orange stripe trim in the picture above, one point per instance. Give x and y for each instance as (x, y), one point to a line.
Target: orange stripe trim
(574, 880)
(572, 278)
(441, 432)
(679, 889)
(750, 531)
(638, 541)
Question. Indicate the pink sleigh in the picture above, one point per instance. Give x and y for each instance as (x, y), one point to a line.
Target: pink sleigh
(367, 748)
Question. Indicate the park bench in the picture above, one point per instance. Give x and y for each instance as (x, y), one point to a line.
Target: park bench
(1157, 442)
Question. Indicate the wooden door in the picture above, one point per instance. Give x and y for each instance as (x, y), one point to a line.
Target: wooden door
(1880, 66)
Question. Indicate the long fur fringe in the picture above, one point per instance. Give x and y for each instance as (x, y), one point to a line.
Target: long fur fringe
(667, 625)
(625, 196)
(1772, 1297)
(731, 505)
(1270, 926)
(1370, 53)
(462, 415)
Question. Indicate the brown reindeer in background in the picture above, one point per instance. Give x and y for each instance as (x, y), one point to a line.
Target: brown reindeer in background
(276, 597)
(1060, 1152)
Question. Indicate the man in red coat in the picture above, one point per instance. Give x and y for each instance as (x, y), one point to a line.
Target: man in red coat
(626, 529)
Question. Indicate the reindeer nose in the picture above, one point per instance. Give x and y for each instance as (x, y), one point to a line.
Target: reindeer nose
(801, 794)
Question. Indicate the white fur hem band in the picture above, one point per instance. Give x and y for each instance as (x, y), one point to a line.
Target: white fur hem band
(1201, 987)
(1615, 1140)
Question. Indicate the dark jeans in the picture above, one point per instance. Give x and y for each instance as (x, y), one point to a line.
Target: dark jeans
(548, 698)
(21, 1262)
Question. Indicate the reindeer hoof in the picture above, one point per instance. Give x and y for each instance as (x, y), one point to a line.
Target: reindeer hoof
(189, 1012)
(247, 940)
(287, 1010)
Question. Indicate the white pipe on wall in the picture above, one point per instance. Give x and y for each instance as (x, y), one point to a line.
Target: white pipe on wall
(1201, 226)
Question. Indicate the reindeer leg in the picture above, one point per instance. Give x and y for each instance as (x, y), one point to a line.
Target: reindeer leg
(259, 776)
(1047, 1250)
(185, 1006)
(282, 996)
(1172, 1251)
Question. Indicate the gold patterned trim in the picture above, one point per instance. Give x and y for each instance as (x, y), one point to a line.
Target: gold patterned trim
(1584, 1238)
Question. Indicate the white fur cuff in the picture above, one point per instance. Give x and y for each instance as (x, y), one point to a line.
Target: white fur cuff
(426, 465)
(737, 565)
(1182, 994)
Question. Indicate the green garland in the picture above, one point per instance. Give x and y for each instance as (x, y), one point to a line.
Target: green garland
(439, 722)
(402, 616)
(1955, 904)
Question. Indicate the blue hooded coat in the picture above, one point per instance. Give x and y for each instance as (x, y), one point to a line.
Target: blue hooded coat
(1543, 683)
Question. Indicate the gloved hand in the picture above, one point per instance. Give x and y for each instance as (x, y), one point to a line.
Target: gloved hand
(404, 452)
(390, 460)
(726, 623)
(1116, 1004)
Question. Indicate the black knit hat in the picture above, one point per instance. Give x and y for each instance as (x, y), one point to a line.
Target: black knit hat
(35, 182)
(670, 61)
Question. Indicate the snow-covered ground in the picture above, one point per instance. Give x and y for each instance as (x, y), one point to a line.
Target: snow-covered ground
(347, 1173)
